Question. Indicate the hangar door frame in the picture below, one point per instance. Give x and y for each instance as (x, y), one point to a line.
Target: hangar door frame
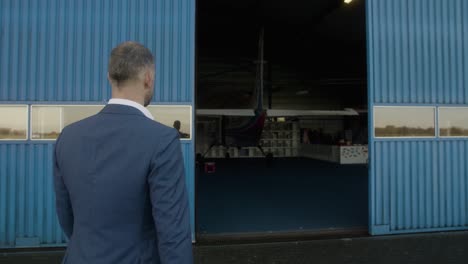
(416, 58)
(55, 53)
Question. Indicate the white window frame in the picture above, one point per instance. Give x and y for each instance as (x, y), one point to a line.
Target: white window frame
(439, 119)
(25, 120)
(434, 109)
(51, 105)
(190, 108)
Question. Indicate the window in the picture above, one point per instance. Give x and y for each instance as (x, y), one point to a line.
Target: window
(453, 121)
(404, 121)
(13, 122)
(177, 116)
(47, 121)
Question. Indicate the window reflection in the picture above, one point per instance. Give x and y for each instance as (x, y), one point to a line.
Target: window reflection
(404, 121)
(13, 122)
(47, 121)
(176, 116)
(453, 121)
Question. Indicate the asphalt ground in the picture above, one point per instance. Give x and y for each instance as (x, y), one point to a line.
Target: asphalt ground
(444, 248)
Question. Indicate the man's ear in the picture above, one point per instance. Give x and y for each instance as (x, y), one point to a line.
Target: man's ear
(149, 79)
(111, 82)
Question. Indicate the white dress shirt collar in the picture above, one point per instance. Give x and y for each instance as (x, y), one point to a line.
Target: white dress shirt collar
(136, 105)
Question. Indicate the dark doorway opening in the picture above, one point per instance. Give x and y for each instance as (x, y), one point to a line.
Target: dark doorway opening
(314, 59)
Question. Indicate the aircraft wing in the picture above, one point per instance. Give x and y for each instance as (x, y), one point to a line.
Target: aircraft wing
(225, 112)
(287, 113)
(277, 112)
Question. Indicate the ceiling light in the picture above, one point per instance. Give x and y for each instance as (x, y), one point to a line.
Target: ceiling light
(348, 1)
(302, 92)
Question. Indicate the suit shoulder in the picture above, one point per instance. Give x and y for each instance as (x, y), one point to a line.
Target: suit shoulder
(160, 135)
(83, 123)
(160, 128)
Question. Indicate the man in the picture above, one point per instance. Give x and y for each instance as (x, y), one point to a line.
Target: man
(119, 175)
(177, 126)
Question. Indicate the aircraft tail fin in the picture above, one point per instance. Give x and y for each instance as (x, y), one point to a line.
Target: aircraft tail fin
(260, 71)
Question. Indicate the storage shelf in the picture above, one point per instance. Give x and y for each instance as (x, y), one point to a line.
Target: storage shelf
(278, 131)
(282, 140)
(265, 148)
(277, 139)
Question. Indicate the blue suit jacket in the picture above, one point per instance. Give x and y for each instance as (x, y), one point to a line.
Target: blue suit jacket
(120, 190)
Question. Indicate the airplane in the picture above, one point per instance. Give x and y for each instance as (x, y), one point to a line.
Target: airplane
(249, 133)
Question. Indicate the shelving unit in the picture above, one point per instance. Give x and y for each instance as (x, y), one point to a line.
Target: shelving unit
(279, 138)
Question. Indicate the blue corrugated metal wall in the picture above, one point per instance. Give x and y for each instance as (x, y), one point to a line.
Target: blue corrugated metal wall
(416, 56)
(417, 51)
(56, 51)
(27, 205)
(420, 185)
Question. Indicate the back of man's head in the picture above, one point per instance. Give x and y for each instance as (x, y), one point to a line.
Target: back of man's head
(128, 61)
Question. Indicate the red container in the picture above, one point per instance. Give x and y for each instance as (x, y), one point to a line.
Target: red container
(210, 167)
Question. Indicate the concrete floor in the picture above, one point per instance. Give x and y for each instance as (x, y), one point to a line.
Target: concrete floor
(444, 248)
(292, 194)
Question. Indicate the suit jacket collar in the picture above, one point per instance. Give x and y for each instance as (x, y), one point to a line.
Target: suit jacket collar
(131, 103)
(121, 110)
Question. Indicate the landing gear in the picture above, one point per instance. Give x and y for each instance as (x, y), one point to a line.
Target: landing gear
(199, 162)
(269, 159)
(268, 156)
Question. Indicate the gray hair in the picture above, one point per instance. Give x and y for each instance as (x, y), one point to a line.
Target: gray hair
(128, 60)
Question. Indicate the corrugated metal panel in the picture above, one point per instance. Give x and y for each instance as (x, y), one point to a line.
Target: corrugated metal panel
(417, 51)
(416, 56)
(189, 160)
(421, 185)
(56, 50)
(27, 203)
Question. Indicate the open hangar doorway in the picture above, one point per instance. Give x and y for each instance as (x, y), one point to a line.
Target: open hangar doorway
(303, 64)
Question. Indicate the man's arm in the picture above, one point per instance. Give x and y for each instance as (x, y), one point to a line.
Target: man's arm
(62, 197)
(170, 203)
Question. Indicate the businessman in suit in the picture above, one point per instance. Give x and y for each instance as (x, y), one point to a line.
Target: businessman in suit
(119, 175)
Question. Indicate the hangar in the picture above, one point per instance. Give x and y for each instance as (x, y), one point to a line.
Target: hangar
(305, 64)
(368, 120)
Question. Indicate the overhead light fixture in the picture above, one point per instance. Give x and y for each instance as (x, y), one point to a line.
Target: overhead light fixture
(302, 92)
(348, 1)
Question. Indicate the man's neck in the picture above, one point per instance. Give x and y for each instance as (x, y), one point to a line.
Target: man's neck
(122, 94)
